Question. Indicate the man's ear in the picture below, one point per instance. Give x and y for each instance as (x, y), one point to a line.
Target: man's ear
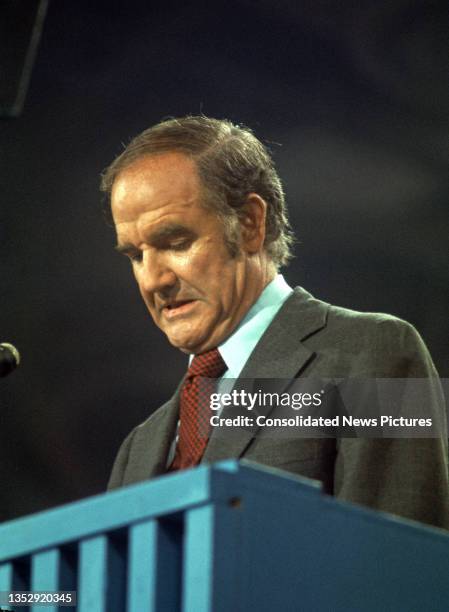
(252, 223)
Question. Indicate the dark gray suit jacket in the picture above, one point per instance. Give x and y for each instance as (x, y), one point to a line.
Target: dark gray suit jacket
(310, 338)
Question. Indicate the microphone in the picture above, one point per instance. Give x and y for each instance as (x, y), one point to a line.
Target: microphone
(9, 358)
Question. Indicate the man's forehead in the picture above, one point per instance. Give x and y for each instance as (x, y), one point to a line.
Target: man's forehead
(155, 182)
(156, 235)
(167, 229)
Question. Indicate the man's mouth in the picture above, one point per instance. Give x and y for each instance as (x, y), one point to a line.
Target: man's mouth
(178, 308)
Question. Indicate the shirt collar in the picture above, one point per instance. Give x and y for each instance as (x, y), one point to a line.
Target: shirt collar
(239, 346)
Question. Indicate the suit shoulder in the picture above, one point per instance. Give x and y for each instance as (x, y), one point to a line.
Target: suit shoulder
(142, 427)
(120, 462)
(143, 430)
(130, 464)
(345, 319)
(380, 342)
(374, 322)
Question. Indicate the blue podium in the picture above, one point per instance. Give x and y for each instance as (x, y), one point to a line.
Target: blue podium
(225, 538)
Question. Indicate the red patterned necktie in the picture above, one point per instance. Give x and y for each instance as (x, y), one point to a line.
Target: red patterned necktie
(195, 408)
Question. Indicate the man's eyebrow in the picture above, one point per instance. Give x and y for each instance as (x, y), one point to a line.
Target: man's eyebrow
(158, 236)
(124, 248)
(171, 230)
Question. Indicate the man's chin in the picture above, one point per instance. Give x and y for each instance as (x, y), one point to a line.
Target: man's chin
(186, 345)
(189, 340)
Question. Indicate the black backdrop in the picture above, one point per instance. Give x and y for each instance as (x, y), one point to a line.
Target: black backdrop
(355, 98)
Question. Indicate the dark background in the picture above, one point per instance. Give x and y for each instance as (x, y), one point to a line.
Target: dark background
(355, 94)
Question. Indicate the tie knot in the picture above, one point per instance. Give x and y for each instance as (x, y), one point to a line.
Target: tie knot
(209, 364)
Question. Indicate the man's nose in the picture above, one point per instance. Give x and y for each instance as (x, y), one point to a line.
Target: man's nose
(154, 274)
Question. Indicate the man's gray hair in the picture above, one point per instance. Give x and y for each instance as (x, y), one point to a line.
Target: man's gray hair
(231, 163)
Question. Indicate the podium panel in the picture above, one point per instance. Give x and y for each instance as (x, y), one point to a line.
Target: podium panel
(227, 537)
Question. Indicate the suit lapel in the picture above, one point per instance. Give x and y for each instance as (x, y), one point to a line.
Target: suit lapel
(280, 354)
(157, 439)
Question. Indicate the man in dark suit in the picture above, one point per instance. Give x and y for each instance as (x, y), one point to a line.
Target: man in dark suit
(199, 210)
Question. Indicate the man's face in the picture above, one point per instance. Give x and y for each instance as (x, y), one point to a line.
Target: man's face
(194, 290)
